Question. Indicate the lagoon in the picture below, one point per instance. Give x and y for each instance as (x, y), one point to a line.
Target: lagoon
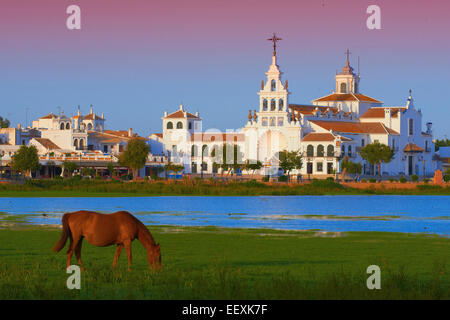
(389, 213)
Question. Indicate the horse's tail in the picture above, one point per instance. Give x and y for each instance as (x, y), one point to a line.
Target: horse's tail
(65, 233)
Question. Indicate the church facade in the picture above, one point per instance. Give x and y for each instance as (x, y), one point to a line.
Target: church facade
(326, 131)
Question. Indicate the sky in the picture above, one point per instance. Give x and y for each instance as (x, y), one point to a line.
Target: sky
(135, 59)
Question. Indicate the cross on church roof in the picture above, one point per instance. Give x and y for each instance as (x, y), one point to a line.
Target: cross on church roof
(274, 39)
(348, 54)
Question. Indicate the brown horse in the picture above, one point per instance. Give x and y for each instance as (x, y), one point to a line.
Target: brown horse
(119, 228)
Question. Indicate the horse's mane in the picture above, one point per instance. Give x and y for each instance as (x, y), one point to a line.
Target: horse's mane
(143, 232)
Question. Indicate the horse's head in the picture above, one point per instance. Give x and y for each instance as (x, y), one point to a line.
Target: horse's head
(154, 257)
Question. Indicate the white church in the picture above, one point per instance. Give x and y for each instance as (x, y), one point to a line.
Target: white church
(331, 128)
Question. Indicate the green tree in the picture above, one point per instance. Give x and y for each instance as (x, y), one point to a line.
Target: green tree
(376, 153)
(253, 165)
(441, 143)
(70, 167)
(290, 160)
(351, 167)
(26, 160)
(4, 123)
(135, 155)
(110, 167)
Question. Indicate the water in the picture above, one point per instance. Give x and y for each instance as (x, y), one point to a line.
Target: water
(429, 214)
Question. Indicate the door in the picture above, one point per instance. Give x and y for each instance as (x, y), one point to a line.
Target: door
(309, 168)
(329, 168)
(410, 165)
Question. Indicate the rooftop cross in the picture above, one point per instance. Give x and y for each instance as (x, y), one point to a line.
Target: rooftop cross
(274, 39)
(348, 55)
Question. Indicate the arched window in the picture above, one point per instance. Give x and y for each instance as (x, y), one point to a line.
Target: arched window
(343, 150)
(320, 150)
(67, 126)
(61, 127)
(272, 121)
(75, 144)
(169, 125)
(89, 127)
(330, 150)
(343, 87)
(205, 151)
(411, 127)
(273, 105)
(280, 105)
(310, 151)
(81, 144)
(273, 85)
(265, 105)
(180, 125)
(190, 125)
(194, 151)
(349, 151)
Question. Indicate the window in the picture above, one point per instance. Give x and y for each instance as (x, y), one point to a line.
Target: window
(319, 166)
(426, 146)
(264, 121)
(273, 105)
(363, 142)
(180, 125)
(169, 125)
(280, 121)
(273, 85)
(265, 104)
(67, 126)
(343, 150)
(343, 87)
(75, 144)
(105, 148)
(410, 127)
(61, 127)
(310, 151)
(349, 151)
(205, 151)
(330, 150)
(280, 105)
(89, 126)
(393, 143)
(194, 151)
(272, 121)
(320, 150)
(81, 144)
(190, 125)
(194, 167)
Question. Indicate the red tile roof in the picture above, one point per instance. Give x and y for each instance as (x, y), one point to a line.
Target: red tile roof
(355, 127)
(347, 97)
(411, 147)
(47, 143)
(319, 136)
(379, 112)
(92, 116)
(180, 114)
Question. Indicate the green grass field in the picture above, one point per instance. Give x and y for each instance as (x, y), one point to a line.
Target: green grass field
(215, 263)
(96, 188)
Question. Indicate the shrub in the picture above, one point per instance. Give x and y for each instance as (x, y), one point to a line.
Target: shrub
(363, 180)
(283, 178)
(447, 177)
(265, 179)
(414, 178)
(426, 180)
(391, 179)
(372, 180)
(403, 180)
(330, 179)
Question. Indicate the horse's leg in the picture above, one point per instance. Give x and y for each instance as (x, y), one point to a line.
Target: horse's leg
(117, 255)
(127, 245)
(78, 253)
(71, 249)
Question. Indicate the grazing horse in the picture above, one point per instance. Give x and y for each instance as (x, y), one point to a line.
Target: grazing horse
(119, 228)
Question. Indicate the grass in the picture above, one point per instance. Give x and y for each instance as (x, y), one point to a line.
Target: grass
(220, 263)
(97, 188)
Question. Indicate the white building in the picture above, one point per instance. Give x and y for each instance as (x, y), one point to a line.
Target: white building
(326, 131)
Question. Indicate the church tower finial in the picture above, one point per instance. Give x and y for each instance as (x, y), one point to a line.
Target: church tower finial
(346, 80)
(274, 39)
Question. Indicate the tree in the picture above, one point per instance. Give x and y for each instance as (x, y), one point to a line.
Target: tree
(351, 167)
(110, 168)
(253, 165)
(290, 160)
(25, 160)
(441, 143)
(70, 167)
(376, 153)
(135, 155)
(4, 123)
